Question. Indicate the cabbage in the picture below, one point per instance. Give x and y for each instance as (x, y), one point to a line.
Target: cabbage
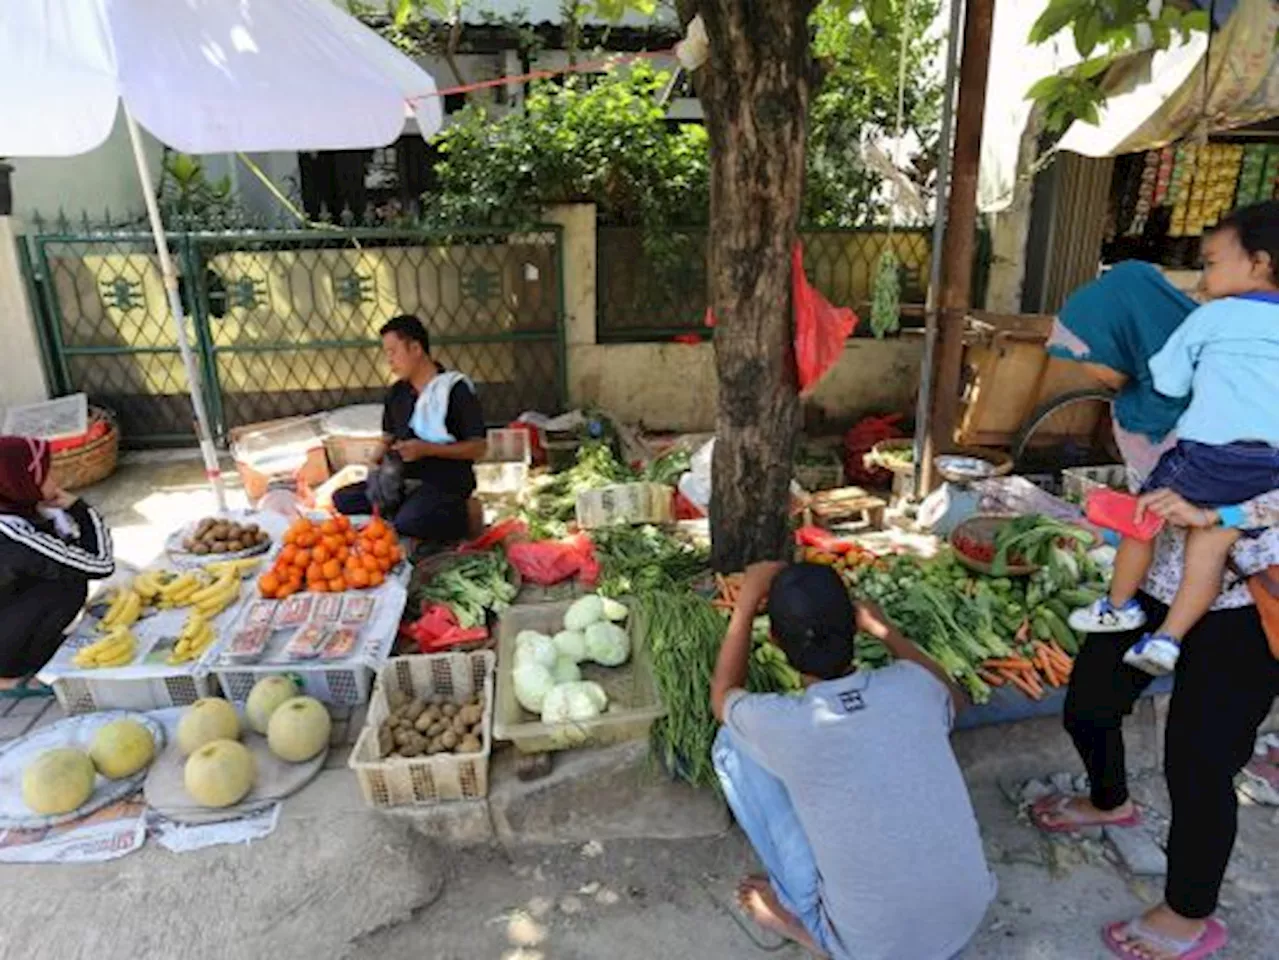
(572, 702)
(566, 670)
(534, 647)
(533, 682)
(613, 610)
(571, 644)
(608, 644)
(584, 612)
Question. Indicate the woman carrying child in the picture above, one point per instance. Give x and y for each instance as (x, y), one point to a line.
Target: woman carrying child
(1225, 674)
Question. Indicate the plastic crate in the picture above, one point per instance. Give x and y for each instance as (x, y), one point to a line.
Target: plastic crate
(622, 503)
(508, 445)
(1078, 481)
(634, 702)
(344, 685)
(79, 693)
(402, 781)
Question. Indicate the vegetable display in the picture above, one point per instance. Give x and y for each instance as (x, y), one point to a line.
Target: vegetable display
(546, 675)
(684, 632)
(551, 504)
(470, 585)
(634, 560)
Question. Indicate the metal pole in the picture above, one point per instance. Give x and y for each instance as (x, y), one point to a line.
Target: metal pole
(958, 241)
(924, 398)
(203, 432)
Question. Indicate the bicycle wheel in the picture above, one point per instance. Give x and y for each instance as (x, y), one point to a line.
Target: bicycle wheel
(1071, 430)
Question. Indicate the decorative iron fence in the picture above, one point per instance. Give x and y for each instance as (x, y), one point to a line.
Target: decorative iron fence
(653, 296)
(285, 322)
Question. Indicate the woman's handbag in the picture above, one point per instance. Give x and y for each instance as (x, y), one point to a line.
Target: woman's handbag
(1264, 588)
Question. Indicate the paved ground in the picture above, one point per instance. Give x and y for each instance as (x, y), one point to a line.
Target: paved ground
(337, 881)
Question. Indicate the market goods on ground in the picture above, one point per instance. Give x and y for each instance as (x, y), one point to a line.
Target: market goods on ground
(267, 695)
(58, 781)
(219, 774)
(206, 720)
(298, 729)
(121, 748)
(423, 727)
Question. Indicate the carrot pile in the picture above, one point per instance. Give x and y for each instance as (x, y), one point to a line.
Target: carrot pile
(727, 589)
(1043, 663)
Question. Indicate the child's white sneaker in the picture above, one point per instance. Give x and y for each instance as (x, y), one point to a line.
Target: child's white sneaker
(1156, 654)
(1101, 617)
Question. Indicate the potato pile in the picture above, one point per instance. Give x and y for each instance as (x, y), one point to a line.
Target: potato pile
(224, 536)
(433, 725)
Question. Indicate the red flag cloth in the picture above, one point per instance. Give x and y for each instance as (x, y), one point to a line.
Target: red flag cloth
(820, 330)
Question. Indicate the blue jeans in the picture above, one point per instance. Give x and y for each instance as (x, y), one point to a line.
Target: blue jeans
(763, 810)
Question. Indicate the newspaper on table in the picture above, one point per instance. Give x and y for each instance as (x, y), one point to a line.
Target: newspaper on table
(185, 837)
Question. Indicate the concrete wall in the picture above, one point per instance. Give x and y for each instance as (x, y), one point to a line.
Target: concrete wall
(672, 386)
(21, 370)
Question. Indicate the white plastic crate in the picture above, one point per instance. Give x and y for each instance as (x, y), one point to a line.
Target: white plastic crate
(81, 693)
(342, 685)
(402, 781)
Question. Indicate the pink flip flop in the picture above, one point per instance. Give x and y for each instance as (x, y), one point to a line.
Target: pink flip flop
(1056, 805)
(1212, 939)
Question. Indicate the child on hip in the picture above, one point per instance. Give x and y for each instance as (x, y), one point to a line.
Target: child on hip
(1225, 356)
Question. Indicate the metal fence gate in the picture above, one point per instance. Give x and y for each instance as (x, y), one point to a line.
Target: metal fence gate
(285, 322)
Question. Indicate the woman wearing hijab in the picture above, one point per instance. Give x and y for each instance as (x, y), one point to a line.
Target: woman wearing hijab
(51, 545)
(1225, 680)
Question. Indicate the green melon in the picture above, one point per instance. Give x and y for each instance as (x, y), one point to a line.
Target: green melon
(220, 773)
(299, 729)
(267, 694)
(58, 781)
(206, 720)
(121, 748)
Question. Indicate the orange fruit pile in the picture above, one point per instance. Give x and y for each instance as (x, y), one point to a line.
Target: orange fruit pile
(330, 557)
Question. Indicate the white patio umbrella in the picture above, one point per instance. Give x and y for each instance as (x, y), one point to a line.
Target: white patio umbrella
(203, 76)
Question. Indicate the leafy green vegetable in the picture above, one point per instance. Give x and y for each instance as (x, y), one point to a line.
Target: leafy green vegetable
(551, 505)
(470, 585)
(634, 560)
(684, 633)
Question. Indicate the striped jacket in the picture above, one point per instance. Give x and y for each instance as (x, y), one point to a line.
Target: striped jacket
(32, 552)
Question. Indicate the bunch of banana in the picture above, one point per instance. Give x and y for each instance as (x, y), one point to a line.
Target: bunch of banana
(194, 638)
(149, 583)
(179, 591)
(114, 650)
(241, 568)
(213, 599)
(123, 611)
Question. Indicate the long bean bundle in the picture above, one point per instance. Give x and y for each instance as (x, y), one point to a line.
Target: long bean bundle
(684, 633)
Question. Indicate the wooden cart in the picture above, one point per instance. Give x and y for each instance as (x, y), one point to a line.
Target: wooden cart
(1017, 396)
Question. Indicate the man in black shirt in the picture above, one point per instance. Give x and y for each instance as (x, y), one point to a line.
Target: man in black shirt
(438, 472)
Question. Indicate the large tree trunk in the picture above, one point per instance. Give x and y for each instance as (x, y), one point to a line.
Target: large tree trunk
(754, 90)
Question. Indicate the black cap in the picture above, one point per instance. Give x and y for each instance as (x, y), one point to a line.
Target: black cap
(811, 618)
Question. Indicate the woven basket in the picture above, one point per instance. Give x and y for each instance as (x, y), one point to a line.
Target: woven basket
(96, 460)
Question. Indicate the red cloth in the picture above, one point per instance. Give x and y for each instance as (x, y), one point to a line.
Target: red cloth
(820, 328)
(24, 466)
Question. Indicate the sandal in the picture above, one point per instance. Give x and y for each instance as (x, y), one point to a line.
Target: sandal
(1057, 806)
(1119, 938)
(26, 689)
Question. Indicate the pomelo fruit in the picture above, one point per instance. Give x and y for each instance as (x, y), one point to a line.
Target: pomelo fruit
(298, 729)
(206, 720)
(220, 773)
(58, 781)
(121, 748)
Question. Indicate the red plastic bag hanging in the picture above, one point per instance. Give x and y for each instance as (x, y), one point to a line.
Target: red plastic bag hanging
(821, 329)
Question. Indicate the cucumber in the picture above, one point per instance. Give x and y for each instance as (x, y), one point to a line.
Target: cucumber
(1059, 608)
(1060, 631)
(1077, 597)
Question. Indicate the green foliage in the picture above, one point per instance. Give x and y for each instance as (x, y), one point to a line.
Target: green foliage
(186, 192)
(858, 46)
(1104, 31)
(602, 139)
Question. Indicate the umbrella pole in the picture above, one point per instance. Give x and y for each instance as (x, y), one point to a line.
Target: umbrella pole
(211, 468)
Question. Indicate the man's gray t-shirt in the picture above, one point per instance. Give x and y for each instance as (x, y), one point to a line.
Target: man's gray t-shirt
(868, 765)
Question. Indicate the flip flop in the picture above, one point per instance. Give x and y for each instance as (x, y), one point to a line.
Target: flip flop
(1055, 805)
(28, 688)
(1212, 939)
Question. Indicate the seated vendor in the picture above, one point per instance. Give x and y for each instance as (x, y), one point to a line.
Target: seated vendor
(849, 792)
(431, 420)
(51, 545)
